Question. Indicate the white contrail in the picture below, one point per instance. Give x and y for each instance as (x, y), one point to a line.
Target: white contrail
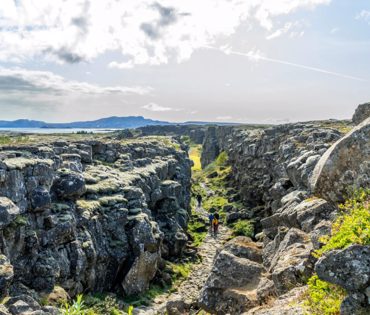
(256, 56)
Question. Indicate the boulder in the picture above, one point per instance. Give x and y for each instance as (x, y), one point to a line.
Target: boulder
(291, 263)
(348, 268)
(40, 199)
(69, 185)
(141, 273)
(362, 112)
(232, 285)
(345, 164)
(8, 212)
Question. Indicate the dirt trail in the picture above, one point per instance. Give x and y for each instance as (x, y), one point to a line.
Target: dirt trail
(188, 290)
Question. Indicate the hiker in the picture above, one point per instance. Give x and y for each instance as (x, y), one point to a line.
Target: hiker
(211, 217)
(216, 222)
(199, 199)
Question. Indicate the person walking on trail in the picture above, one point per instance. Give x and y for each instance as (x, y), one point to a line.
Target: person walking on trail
(199, 199)
(211, 217)
(216, 222)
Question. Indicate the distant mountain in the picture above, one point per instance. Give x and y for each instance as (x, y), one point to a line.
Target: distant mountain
(113, 122)
(109, 122)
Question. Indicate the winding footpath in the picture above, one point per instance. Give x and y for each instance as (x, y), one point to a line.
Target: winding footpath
(187, 292)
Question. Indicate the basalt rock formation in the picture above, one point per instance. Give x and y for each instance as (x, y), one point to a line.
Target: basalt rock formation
(290, 179)
(362, 112)
(89, 216)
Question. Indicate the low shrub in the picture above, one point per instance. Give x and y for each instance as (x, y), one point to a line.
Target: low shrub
(352, 226)
(323, 298)
(243, 228)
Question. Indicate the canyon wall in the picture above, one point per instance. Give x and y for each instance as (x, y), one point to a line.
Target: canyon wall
(89, 216)
(290, 179)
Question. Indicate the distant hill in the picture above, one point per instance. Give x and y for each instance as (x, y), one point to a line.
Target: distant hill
(109, 122)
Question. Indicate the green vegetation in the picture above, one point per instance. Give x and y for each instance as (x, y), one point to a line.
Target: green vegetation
(197, 228)
(351, 227)
(212, 184)
(97, 304)
(243, 228)
(178, 272)
(77, 307)
(13, 139)
(323, 297)
(181, 271)
(342, 126)
(194, 154)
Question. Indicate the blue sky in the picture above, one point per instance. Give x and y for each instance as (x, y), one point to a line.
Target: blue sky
(266, 61)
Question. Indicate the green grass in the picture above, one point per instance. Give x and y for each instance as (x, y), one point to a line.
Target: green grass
(197, 229)
(194, 155)
(16, 139)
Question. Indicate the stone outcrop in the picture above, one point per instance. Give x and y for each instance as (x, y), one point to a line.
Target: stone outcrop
(346, 165)
(350, 269)
(362, 112)
(89, 216)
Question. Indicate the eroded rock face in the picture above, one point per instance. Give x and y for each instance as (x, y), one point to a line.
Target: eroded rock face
(89, 215)
(345, 165)
(362, 112)
(268, 164)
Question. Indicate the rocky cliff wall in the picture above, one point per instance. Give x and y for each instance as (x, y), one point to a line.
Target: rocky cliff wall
(194, 132)
(90, 215)
(290, 178)
(269, 163)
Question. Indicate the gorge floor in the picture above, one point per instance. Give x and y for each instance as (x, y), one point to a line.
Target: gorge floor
(188, 291)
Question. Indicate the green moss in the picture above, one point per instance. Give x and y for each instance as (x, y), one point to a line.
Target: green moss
(352, 226)
(323, 297)
(106, 186)
(89, 205)
(243, 228)
(112, 200)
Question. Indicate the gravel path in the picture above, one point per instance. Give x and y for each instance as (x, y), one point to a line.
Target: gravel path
(189, 289)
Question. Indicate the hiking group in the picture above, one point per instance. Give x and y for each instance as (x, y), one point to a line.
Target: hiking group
(214, 221)
(214, 218)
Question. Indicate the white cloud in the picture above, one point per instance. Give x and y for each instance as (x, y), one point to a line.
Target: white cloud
(145, 31)
(334, 30)
(153, 107)
(291, 28)
(18, 79)
(280, 31)
(364, 15)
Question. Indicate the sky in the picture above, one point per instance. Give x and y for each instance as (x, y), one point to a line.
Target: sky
(251, 61)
